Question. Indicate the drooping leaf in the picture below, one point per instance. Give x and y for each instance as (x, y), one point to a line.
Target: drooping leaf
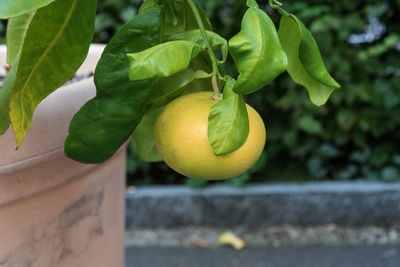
(216, 41)
(305, 64)
(256, 51)
(106, 122)
(144, 137)
(13, 8)
(311, 58)
(48, 62)
(16, 31)
(162, 60)
(167, 89)
(186, 22)
(4, 97)
(228, 122)
(137, 35)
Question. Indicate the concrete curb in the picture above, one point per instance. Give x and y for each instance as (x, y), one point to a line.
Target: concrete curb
(343, 203)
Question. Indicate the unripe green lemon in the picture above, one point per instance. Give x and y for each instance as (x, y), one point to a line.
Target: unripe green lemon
(181, 140)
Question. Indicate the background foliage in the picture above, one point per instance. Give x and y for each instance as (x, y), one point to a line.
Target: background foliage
(356, 135)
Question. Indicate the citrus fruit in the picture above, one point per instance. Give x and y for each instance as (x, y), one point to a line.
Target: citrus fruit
(181, 139)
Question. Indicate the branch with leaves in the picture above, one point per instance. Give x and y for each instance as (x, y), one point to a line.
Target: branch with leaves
(167, 50)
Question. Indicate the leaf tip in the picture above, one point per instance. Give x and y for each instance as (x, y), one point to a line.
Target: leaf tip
(336, 84)
(319, 101)
(252, 3)
(18, 143)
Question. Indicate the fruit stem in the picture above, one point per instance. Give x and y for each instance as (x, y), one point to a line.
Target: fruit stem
(215, 71)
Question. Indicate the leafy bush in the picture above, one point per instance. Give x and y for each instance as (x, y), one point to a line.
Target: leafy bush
(354, 136)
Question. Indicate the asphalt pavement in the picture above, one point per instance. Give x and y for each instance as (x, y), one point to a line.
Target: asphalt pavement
(308, 256)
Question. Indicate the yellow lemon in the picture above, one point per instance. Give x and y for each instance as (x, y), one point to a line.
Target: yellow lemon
(181, 139)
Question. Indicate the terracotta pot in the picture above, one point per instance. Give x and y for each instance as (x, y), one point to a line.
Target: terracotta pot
(55, 212)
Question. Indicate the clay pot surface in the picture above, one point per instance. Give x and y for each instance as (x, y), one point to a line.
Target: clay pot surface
(56, 212)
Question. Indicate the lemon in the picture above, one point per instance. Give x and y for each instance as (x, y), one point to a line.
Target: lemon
(181, 139)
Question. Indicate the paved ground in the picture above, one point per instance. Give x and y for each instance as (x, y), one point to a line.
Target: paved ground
(273, 236)
(309, 256)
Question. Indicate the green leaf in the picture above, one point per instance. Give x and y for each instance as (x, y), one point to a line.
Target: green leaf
(4, 97)
(252, 3)
(256, 51)
(179, 17)
(228, 122)
(189, 18)
(144, 137)
(106, 122)
(166, 89)
(113, 67)
(13, 8)
(312, 60)
(48, 62)
(147, 4)
(16, 31)
(162, 60)
(305, 64)
(216, 41)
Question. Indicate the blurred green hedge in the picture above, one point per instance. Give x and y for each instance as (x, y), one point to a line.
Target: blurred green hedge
(356, 135)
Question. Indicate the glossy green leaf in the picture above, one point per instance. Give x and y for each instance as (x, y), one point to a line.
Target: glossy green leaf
(162, 60)
(228, 122)
(312, 60)
(4, 97)
(305, 64)
(147, 4)
(13, 8)
(169, 88)
(216, 41)
(16, 31)
(256, 51)
(48, 62)
(144, 137)
(252, 3)
(186, 22)
(201, 63)
(106, 122)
